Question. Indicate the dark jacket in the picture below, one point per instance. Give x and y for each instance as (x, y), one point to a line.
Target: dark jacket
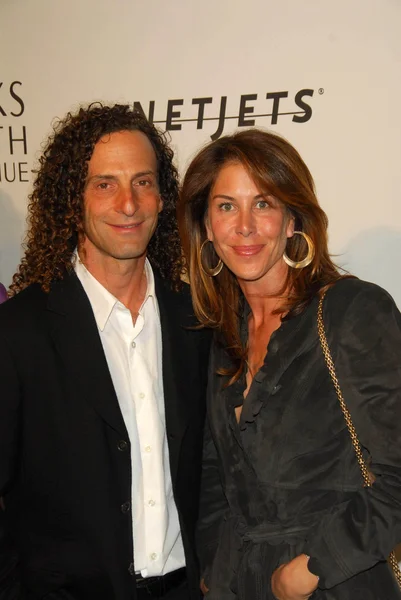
(65, 468)
(285, 480)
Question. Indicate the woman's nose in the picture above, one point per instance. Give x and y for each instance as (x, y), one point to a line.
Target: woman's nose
(246, 224)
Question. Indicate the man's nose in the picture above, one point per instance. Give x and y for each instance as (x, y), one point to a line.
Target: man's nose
(127, 201)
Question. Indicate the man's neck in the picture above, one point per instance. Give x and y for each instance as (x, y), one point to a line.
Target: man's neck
(125, 279)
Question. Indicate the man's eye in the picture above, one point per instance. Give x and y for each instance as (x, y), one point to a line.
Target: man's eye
(144, 182)
(103, 185)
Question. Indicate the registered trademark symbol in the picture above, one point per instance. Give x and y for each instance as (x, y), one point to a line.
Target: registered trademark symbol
(321, 91)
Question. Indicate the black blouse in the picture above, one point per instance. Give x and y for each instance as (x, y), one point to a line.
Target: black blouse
(285, 480)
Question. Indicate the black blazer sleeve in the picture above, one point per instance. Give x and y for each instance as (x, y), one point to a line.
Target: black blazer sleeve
(9, 409)
(364, 334)
(213, 505)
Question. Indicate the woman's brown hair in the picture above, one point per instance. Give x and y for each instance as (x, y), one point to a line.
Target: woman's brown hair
(278, 170)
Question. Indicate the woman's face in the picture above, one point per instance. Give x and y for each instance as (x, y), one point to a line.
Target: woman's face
(248, 228)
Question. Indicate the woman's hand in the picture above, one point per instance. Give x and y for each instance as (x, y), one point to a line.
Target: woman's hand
(294, 581)
(203, 587)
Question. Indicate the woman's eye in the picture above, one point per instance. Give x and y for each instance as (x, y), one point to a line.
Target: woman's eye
(225, 206)
(262, 204)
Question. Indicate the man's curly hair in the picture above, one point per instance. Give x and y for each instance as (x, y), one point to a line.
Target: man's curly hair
(55, 210)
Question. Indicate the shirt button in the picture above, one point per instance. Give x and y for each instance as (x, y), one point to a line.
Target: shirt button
(131, 569)
(148, 449)
(153, 556)
(126, 507)
(142, 395)
(133, 344)
(151, 503)
(122, 445)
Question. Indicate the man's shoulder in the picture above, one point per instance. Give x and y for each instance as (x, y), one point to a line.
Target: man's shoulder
(25, 307)
(31, 298)
(178, 308)
(180, 298)
(20, 314)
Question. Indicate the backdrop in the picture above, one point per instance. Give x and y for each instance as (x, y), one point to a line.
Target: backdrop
(324, 74)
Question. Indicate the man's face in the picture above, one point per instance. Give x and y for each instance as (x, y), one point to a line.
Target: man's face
(121, 198)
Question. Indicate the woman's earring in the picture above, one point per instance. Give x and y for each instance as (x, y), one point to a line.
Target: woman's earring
(308, 258)
(207, 270)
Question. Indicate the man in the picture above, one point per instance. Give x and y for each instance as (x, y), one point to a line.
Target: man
(103, 374)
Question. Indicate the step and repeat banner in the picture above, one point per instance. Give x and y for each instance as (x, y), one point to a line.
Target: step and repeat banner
(324, 74)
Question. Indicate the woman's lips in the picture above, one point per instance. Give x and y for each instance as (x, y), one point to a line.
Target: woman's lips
(247, 250)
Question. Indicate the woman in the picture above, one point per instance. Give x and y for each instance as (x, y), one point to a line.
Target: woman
(284, 511)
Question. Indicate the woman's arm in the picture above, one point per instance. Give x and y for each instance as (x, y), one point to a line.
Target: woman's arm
(364, 335)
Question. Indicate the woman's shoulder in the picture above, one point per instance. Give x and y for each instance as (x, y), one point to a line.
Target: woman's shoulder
(357, 299)
(353, 290)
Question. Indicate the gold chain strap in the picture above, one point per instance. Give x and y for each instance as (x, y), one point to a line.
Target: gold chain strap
(367, 476)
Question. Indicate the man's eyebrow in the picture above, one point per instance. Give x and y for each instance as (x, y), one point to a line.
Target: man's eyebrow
(101, 176)
(112, 177)
(143, 173)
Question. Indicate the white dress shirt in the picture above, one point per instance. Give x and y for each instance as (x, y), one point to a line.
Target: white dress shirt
(134, 356)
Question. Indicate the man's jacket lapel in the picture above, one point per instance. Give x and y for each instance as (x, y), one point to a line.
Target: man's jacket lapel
(75, 334)
(178, 352)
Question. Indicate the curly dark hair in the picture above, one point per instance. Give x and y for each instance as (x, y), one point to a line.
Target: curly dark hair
(55, 210)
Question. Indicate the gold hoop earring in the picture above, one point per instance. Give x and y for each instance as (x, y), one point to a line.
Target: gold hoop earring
(308, 258)
(207, 270)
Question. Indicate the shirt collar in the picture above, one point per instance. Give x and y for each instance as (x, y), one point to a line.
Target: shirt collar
(102, 301)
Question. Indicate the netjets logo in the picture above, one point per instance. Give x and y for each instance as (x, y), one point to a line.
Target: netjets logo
(174, 114)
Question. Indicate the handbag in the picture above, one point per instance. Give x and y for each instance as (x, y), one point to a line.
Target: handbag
(368, 477)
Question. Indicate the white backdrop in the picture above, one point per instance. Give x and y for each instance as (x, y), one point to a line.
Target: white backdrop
(346, 54)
